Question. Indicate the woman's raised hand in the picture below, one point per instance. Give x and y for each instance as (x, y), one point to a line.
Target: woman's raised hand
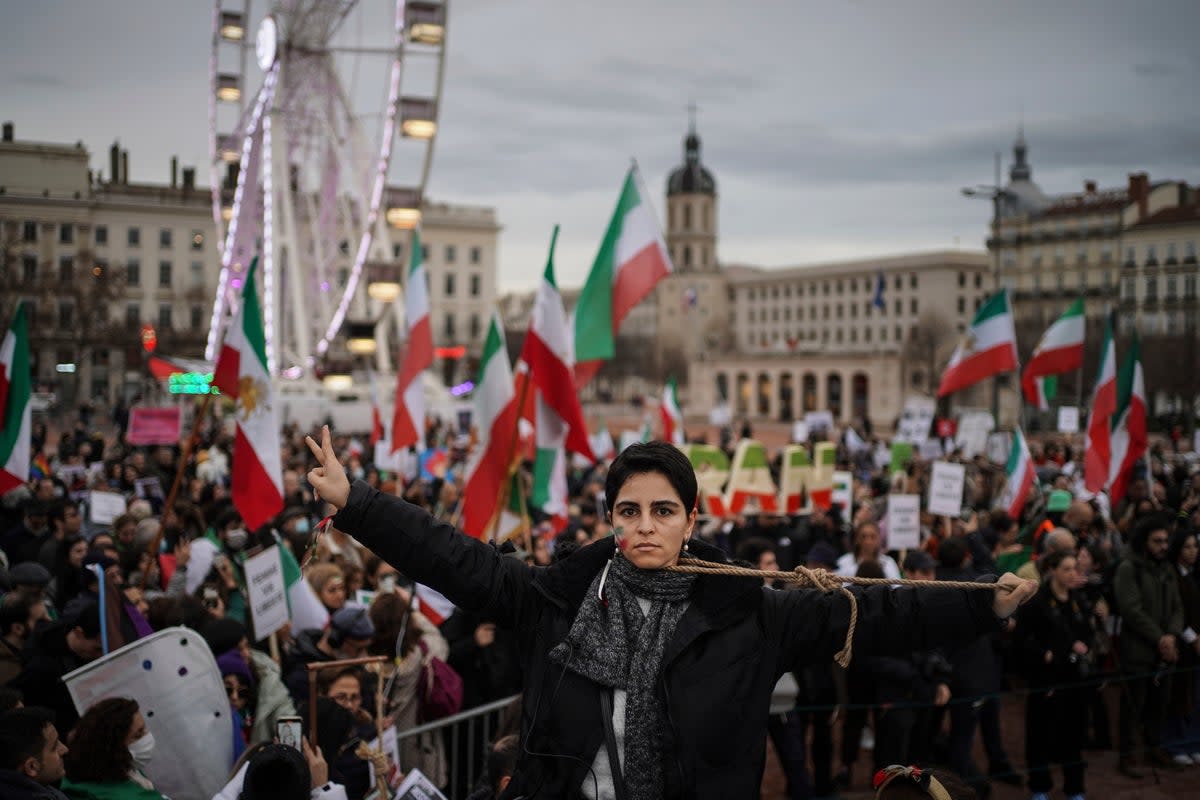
(328, 479)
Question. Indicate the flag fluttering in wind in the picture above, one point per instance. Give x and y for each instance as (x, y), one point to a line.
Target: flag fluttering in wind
(241, 374)
(408, 417)
(305, 610)
(672, 414)
(1098, 446)
(16, 408)
(632, 259)
(377, 429)
(1129, 423)
(877, 300)
(496, 420)
(988, 348)
(1021, 474)
(1060, 350)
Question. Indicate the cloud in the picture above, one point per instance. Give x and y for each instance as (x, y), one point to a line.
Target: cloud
(40, 80)
(1154, 69)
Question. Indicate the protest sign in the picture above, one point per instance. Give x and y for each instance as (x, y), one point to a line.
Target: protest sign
(931, 449)
(843, 490)
(799, 431)
(149, 488)
(973, 430)
(751, 487)
(998, 447)
(903, 521)
(391, 748)
(150, 426)
(1068, 419)
(916, 419)
(174, 679)
(417, 787)
(902, 453)
(819, 422)
(946, 488)
(266, 592)
(104, 507)
(712, 470)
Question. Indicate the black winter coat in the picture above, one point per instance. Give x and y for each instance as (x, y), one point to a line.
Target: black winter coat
(732, 644)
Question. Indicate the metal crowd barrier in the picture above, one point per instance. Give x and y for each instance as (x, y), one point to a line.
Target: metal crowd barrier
(466, 737)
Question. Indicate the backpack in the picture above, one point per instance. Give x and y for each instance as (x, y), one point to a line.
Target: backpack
(441, 689)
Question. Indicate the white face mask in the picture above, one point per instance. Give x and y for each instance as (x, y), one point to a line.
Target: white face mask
(141, 749)
(236, 538)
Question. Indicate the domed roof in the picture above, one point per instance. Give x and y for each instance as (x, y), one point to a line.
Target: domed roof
(691, 177)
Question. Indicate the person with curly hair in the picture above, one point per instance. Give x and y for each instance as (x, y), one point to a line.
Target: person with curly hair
(109, 752)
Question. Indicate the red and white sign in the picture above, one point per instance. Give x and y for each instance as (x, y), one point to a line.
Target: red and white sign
(153, 426)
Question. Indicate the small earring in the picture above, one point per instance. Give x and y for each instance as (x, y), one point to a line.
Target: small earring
(685, 546)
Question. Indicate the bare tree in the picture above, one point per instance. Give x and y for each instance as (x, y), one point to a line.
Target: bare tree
(929, 344)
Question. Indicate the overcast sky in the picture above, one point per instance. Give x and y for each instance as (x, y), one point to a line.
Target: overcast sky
(834, 129)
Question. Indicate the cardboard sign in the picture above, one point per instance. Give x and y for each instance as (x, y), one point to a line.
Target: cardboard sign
(417, 787)
(150, 426)
(973, 430)
(174, 679)
(946, 488)
(266, 592)
(916, 419)
(843, 490)
(1068, 419)
(903, 521)
(998, 446)
(104, 507)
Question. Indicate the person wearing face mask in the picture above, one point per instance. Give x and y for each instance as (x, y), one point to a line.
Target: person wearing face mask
(110, 750)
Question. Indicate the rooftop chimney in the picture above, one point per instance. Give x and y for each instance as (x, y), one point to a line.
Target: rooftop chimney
(114, 163)
(189, 179)
(125, 167)
(1089, 187)
(1139, 192)
(8, 131)
(174, 171)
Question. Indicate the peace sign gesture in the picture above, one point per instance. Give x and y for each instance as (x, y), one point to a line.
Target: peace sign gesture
(329, 479)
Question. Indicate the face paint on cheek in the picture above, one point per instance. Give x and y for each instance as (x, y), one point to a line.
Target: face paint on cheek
(619, 535)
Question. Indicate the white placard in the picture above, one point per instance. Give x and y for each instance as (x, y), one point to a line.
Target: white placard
(973, 430)
(998, 446)
(266, 592)
(843, 489)
(819, 421)
(946, 488)
(916, 419)
(1068, 419)
(417, 787)
(931, 449)
(904, 521)
(104, 507)
(800, 432)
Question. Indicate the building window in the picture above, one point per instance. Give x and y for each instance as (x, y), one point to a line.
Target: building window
(825, 288)
(883, 333)
(66, 315)
(450, 285)
(164, 274)
(962, 280)
(838, 336)
(66, 269)
(1130, 256)
(707, 217)
(687, 217)
(899, 307)
(839, 287)
(133, 272)
(164, 317)
(1171, 287)
(838, 311)
(66, 233)
(867, 335)
(899, 334)
(1081, 255)
(1189, 287)
(1036, 259)
(978, 302)
(1127, 288)
(133, 314)
(687, 255)
(29, 231)
(451, 253)
(1189, 251)
(1058, 280)
(474, 327)
(476, 255)
(197, 240)
(978, 280)
(962, 304)
(197, 317)
(164, 238)
(799, 313)
(1059, 256)
(775, 314)
(101, 234)
(476, 282)
(1171, 253)
(196, 274)
(913, 306)
(854, 311)
(397, 252)
(133, 237)
(448, 326)
(1151, 288)
(1151, 255)
(912, 281)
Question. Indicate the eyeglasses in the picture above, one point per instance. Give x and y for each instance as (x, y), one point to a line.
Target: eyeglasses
(346, 698)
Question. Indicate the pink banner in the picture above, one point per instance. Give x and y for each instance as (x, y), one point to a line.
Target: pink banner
(153, 426)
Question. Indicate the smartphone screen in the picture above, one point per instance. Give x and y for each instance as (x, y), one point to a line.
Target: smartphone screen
(387, 583)
(288, 732)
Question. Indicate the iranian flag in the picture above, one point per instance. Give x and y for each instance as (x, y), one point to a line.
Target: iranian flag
(306, 612)
(496, 420)
(1129, 423)
(408, 418)
(1021, 475)
(672, 415)
(241, 374)
(1098, 447)
(16, 411)
(632, 259)
(989, 347)
(1060, 350)
(377, 429)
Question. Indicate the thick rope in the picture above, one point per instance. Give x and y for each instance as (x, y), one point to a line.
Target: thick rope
(827, 582)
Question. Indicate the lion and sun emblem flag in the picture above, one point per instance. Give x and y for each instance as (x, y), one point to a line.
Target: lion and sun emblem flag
(988, 348)
(241, 374)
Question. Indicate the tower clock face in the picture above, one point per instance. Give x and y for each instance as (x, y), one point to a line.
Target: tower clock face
(265, 44)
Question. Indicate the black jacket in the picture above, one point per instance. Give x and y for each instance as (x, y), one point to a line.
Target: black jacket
(15, 786)
(41, 680)
(1046, 624)
(730, 647)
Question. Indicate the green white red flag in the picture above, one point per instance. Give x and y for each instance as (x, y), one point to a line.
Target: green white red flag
(16, 408)
(1021, 474)
(672, 414)
(1129, 423)
(305, 610)
(632, 259)
(408, 417)
(241, 374)
(988, 348)
(496, 425)
(1097, 444)
(1060, 350)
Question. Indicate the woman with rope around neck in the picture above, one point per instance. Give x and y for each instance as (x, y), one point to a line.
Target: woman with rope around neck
(642, 682)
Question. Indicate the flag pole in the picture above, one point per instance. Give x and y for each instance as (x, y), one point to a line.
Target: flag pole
(189, 444)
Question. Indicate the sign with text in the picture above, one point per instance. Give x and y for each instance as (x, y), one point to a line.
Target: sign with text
(916, 419)
(973, 430)
(149, 426)
(1068, 419)
(266, 592)
(903, 521)
(104, 507)
(946, 488)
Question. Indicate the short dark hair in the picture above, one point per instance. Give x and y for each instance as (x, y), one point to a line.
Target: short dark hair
(88, 620)
(952, 552)
(23, 735)
(502, 760)
(752, 549)
(1144, 527)
(646, 457)
(276, 772)
(10, 698)
(15, 609)
(1000, 521)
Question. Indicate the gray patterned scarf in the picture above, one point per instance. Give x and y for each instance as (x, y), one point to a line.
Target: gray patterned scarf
(621, 648)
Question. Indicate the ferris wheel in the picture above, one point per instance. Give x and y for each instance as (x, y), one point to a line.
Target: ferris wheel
(322, 121)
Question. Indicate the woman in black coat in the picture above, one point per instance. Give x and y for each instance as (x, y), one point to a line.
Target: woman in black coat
(643, 683)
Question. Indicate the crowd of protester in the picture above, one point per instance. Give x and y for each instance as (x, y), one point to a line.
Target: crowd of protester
(1118, 615)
